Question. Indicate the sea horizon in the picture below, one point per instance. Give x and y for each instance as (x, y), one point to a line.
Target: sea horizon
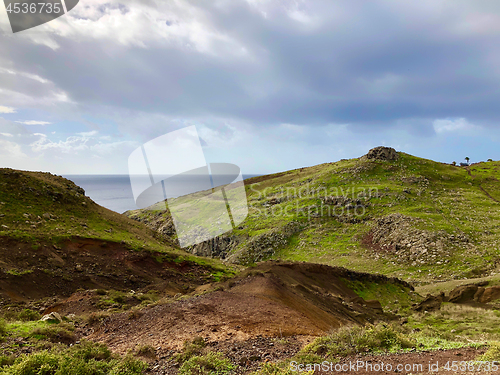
(114, 191)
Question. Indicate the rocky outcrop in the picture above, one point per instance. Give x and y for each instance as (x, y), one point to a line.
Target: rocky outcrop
(463, 293)
(398, 235)
(264, 246)
(159, 221)
(490, 294)
(382, 153)
(218, 247)
(431, 303)
(474, 293)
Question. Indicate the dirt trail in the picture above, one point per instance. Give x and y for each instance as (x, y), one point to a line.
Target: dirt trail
(480, 187)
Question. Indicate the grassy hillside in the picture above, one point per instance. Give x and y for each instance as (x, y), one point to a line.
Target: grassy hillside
(410, 217)
(41, 206)
(54, 240)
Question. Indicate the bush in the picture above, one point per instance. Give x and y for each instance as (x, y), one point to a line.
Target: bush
(83, 359)
(55, 333)
(146, 351)
(6, 360)
(128, 366)
(3, 328)
(28, 315)
(356, 339)
(88, 350)
(39, 363)
(209, 364)
(492, 354)
(191, 348)
(97, 317)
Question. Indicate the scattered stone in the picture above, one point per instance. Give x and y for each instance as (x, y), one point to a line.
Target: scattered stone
(52, 317)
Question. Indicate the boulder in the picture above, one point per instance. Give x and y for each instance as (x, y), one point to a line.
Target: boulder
(463, 293)
(382, 153)
(430, 303)
(490, 294)
(52, 317)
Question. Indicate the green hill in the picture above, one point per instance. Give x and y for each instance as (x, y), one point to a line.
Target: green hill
(55, 240)
(384, 212)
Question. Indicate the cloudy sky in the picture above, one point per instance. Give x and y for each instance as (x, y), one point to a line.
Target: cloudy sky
(270, 84)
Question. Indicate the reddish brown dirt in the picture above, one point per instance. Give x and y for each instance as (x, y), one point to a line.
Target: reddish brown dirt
(87, 264)
(273, 300)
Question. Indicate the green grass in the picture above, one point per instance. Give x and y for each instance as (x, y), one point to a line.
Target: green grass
(209, 364)
(459, 323)
(444, 200)
(54, 351)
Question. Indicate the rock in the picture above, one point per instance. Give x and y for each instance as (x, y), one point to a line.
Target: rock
(430, 303)
(382, 153)
(47, 215)
(52, 317)
(374, 304)
(479, 294)
(463, 293)
(490, 294)
(5, 227)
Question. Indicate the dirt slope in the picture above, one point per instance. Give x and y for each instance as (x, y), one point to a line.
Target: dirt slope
(29, 272)
(271, 300)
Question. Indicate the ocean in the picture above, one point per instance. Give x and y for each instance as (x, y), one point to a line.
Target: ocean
(115, 192)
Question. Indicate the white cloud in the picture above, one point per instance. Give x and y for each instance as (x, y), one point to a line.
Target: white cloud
(88, 134)
(7, 109)
(34, 122)
(452, 125)
(11, 150)
(24, 74)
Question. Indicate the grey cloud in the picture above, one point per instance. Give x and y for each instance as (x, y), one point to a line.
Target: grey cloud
(367, 66)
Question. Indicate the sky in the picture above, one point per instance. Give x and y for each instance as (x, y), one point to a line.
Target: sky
(270, 85)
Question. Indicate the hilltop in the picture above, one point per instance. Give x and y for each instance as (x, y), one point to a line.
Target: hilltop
(387, 212)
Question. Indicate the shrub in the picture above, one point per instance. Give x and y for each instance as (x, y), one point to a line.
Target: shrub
(191, 348)
(209, 364)
(6, 360)
(55, 333)
(97, 317)
(3, 328)
(28, 315)
(88, 350)
(89, 359)
(39, 363)
(356, 339)
(492, 354)
(128, 366)
(146, 351)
